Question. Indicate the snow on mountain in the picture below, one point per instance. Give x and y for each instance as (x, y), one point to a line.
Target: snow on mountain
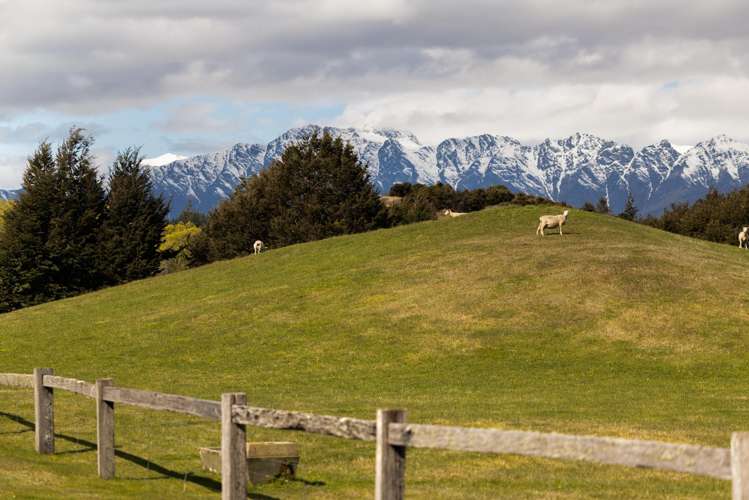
(577, 169)
(719, 163)
(203, 181)
(165, 159)
(9, 194)
(681, 148)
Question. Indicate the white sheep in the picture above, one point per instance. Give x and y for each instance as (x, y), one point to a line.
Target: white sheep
(551, 221)
(743, 237)
(258, 247)
(449, 213)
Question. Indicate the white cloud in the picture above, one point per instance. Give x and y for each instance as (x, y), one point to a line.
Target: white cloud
(638, 114)
(632, 70)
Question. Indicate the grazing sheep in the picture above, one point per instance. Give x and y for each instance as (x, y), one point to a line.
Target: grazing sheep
(449, 213)
(258, 247)
(743, 237)
(551, 221)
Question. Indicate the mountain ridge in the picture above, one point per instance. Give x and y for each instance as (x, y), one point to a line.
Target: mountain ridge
(576, 169)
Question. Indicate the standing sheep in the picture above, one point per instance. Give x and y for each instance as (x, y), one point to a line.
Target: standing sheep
(258, 247)
(551, 221)
(743, 236)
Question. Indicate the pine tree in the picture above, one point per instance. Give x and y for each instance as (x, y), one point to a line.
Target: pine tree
(630, 210)
(602, 207)
(26, 266)
(135, 221)
(78, 217)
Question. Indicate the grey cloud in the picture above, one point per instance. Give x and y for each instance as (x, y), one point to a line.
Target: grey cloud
(123, 52)
(93, 56)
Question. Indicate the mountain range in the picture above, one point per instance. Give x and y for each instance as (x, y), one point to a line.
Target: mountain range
(9, 194)
(577, 169)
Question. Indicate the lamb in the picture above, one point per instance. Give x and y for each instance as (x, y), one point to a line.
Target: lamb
(551, 221)
(449, 213)
(258, 247)
(743, 237)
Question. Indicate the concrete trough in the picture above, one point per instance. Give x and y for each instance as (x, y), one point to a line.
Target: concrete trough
(265, 460)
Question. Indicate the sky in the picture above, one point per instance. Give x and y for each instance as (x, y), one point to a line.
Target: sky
(190, 76)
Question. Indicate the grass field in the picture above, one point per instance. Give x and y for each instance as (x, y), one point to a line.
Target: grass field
(614, 329)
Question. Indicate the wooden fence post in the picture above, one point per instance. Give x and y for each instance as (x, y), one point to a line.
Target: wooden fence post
(104, 431)
(740, 465)
(44, 412)
(390, 461)
(233, 450)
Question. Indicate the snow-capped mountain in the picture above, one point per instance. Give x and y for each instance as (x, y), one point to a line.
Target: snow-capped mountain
(577, 169)
(9, 194)
(165, 159)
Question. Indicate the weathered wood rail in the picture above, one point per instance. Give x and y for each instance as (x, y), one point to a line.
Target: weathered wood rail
(392, 434)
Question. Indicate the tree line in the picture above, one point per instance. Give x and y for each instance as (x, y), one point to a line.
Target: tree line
(717, 217)
(67, 234)
(71, 232)
(318, 189)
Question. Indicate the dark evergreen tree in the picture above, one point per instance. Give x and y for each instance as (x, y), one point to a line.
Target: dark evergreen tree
(78, 217)
(188, 214)
(402, 188)
(602, 207)
(317, 189)
(26, 266)
(134, 223)
(630, 210)
(588, 207)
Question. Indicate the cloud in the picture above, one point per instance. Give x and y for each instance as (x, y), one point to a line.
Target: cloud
(97, 56)
(194, 117)
(633, 70)
(638, 114)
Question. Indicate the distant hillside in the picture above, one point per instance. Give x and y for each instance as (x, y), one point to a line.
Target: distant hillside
(577, 169)
(613, 329)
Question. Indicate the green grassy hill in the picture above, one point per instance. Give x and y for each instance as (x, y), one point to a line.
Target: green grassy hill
(614, 329)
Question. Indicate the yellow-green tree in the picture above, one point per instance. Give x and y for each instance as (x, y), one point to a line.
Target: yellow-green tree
(4, 206)
(174, 246)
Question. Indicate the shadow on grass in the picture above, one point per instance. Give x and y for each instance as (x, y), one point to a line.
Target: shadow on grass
(88, 446)
(305, 482)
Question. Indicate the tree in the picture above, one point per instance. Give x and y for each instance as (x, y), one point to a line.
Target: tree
(78, 217)
(135, 221)
(4, 207)
(49, 244)
(175, 246)
(191, 215)
(588, 207)
(630, 210)
(416, 207)
(26, 266)
(602, 207)
(316, 190)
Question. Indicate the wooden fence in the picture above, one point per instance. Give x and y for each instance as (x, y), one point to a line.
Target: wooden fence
(392, 434)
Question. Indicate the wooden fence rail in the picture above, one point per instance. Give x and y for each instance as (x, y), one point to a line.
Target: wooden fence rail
(165, 402)
(701, 460)
(343, 427)
(392, 434)
(70, 384)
